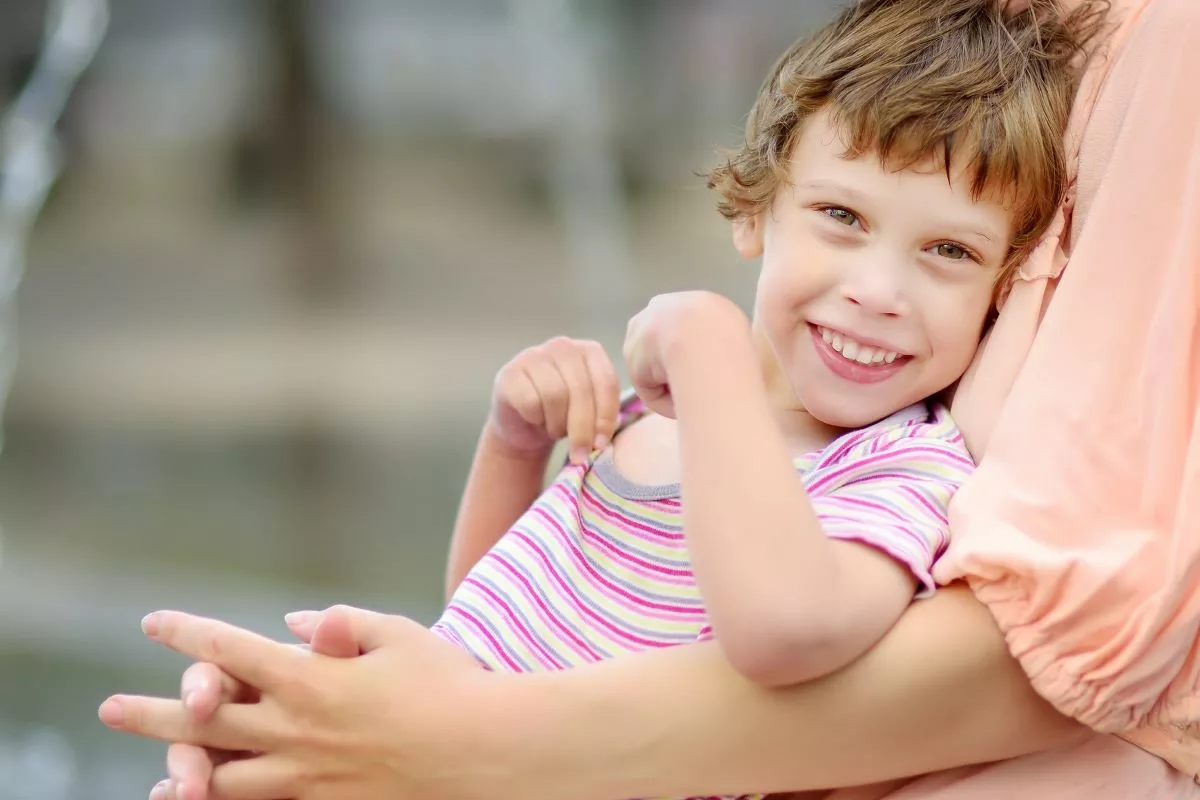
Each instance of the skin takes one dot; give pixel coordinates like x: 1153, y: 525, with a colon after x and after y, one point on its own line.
x: 905, y: 259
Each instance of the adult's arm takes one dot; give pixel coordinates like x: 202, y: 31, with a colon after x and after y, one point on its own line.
x: 939, y: 691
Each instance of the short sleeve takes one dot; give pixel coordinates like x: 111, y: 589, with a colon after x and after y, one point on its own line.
x: 892, y: 492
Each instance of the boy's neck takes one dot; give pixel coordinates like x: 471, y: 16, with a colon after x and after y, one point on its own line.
x: 803, y: 432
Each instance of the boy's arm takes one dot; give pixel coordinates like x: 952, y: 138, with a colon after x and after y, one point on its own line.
x: 561, y: 389
x: 501, y: 486
x: 785, y: 603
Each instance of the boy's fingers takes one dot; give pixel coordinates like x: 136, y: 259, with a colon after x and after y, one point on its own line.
x: 552, y: 395
x: 581, y: 405
x: 607, y: 392
x: 518, y: 391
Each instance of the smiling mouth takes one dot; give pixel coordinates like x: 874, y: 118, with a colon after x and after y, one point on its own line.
x: 857, y: 352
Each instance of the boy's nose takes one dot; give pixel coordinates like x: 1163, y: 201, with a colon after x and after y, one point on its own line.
x: 877, y: 287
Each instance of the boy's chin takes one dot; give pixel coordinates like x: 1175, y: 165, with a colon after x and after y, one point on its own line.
x: 848, y: 413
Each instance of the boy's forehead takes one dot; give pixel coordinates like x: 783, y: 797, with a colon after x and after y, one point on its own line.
x: 821, y: 163
x: 826, y: 131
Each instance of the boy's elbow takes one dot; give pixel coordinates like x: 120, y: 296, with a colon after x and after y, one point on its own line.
x: 784, y: 649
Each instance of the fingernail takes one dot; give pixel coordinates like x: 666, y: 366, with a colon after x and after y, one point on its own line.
x: 189, y: 699
x: 579, y: 455
x: 112, y: 713
x: 161, y: 791
x: 299, y: 617
x: 600, y: 442
x: 181, y: 791
x: 150, y: 624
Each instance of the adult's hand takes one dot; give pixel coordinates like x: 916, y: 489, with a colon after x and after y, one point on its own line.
x: 205, y: 687
x: 320, y: 727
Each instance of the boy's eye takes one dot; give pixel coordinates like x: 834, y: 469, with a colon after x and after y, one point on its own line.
x: 841, y: 215
x: 951, y: 251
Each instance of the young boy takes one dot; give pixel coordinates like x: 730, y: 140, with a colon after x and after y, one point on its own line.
x: 782, y: 484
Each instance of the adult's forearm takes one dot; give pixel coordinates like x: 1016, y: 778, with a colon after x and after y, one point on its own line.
x: 940, y: 691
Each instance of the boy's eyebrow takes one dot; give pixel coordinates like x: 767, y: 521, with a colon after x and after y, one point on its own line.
x: 970, y: 229
x: 851, y: 193
x: 966, y: 229
x: 857, y: 196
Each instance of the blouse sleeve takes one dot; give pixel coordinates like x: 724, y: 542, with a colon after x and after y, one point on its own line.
x: 1081, y: 528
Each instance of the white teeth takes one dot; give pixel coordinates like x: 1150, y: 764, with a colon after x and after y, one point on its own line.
x: 856, y: 351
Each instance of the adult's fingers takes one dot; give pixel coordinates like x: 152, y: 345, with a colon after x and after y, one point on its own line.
x: 337, y: 635
x: 232, y: 727
x: 327, y: 637
x: 205, y: 686
x: 259, y: 661
x: 190, y: 769
x: 368, y: 630
x: 302, y: 624
x: 267, y: 777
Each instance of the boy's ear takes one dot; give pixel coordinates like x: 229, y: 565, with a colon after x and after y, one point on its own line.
x: 748, y: 235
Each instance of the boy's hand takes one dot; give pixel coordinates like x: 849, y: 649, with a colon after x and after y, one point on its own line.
x: 663, y: 329
x: 562, y: 388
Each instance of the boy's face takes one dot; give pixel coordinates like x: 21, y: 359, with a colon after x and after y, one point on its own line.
x: 875, y: 284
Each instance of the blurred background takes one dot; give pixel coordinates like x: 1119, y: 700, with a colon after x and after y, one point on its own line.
x: 268, y: 267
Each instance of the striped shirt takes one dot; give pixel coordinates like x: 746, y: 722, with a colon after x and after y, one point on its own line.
x: 598, y: 565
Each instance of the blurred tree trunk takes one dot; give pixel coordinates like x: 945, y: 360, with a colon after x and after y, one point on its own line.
x: 20, y: 39
x: 290, y: 152
x: 295, y: 140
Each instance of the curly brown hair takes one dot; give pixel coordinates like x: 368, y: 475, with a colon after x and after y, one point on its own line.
x: 914, y: 80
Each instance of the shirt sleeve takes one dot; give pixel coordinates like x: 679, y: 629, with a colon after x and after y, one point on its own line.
x: 1081, y: 528
x: 893, y: 494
